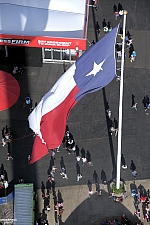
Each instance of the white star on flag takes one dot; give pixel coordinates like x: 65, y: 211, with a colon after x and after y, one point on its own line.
x: 96, y: 68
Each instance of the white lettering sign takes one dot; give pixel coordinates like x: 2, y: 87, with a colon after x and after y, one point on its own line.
x: 55, y: 43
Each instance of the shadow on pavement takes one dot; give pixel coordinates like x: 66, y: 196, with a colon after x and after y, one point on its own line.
x: 17, y: 115
x: 96, y: 209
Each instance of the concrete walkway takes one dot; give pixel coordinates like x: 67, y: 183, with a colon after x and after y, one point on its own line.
x: 80, y: 209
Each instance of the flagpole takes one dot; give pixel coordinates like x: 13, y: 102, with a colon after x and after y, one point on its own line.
x: 120, y: 106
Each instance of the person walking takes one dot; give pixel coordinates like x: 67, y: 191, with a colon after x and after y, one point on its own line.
x: 104, y: 183
x: 123, y: 163
x: 116, y: 14
x: 3, y: 137
x: 98, y: 191
x: 77, y: 154
x: 105, y: 27
x: 88, y: 157
x: 92, y: 43
x: 79, y: 176
x: 83, y: 156
x: 145, y: 105
x: 98, y: 29
x: 108, y: 113
x: 104, y: 24
x: 109, y: 26
x: 134, y: 106
x: 134, y: 173
x: 63, y: 173
x: 95, y: 177
x: 112, y: 129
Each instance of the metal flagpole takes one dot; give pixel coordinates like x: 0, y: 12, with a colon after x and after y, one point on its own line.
x: 120, y: 106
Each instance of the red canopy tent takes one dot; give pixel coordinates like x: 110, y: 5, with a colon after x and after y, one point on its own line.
x: 9, y: 90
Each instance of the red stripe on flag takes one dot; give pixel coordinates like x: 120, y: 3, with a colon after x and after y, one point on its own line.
x: 38, y: 150
x: 53, y: 126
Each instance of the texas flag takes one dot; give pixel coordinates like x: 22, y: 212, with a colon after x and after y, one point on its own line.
x: 92, y: 71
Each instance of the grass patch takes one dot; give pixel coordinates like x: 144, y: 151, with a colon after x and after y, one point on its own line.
x: 117, y: 191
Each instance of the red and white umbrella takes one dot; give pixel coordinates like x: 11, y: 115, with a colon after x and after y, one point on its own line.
x: 9, y: 90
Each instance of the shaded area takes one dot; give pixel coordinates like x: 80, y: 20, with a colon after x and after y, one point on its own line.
x: 92, y: 209
x: 17, y: 119
x: 109, y: 125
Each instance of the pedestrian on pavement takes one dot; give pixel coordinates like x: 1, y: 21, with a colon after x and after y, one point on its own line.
x: 63, y: 173
x: 3, y: 137
x: 113, y: 130
x: 105, y: 30
x: 148, y: 193
x: 77, y: 154
x: 98, y: 191
x: 124, y: 167
x: 29, y: 158
x: 88, y: 157
x: 79, y: 176
x: 121, y: 14
x: 133, y: 56
x: 134, y: 173
x: 109, y: 26
x: 123, y: 163
x: 90, y: 193
x: 147, y: 101
x: 82, y: 153
x: 146, y: 217
x: 145, y: 105
x: 3, y: 142
x: 104, y: 24
x: 94, y: 3
x: 48, y: 208
x: 136, y: 203
x: 116, y: 14
x: 128, y: 34
x: 131, y: 49
x: 70, y: 144
x: 119, y: 55
x: 108, y: 113
x: 21, y: 181
x: 53, y: 151
x: 9, y: 156
x: 98, y: 29
x: 105, y: 183
x: 134, y: 106
x: 93, y: 43
x: 57, y: 149
x: 125, y: 194
x: 7, y: 134
x: 95, y: 177
x: 138, y: 214
x: 115, y: 124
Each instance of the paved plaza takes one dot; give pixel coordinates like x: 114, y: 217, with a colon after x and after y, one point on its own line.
x: 87, y: 122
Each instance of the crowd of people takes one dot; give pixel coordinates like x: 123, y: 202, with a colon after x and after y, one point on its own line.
x: 70, y: 147
x: 141, y: 197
